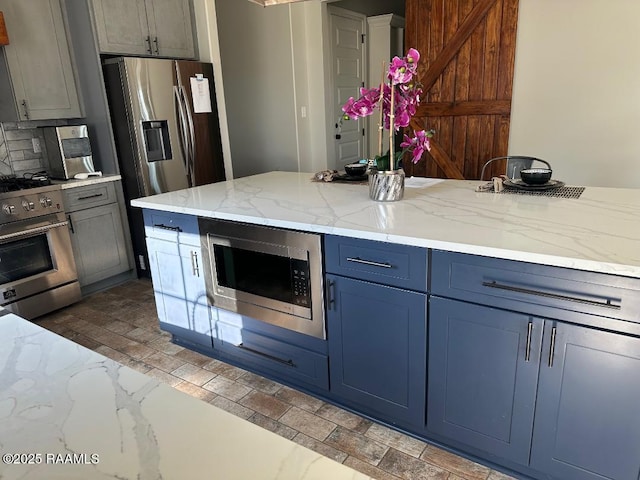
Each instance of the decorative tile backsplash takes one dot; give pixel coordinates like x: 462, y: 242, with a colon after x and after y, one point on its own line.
x: 17, y: 154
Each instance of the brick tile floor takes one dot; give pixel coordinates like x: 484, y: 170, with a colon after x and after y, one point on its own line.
x: 121, y: 324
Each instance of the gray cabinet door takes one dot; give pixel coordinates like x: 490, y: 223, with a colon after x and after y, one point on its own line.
x: 483, y: 370
x: 145, y: 27
x: 122, y: 27
x: 98, y: 242
x: 588, y: 408
x: 170, y: 28
x: 39, y: 60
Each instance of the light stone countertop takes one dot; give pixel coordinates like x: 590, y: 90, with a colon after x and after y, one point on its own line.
x: 74, y: 183
x: 598, y: 232
x: 59, y: 398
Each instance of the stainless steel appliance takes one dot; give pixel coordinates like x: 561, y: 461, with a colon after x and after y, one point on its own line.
x: 68, y: 150
x: 167, y: 130
x: 37, y: 269
x: 269, y: 274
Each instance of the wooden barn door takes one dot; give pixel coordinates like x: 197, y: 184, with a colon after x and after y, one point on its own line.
x: 467, y: 52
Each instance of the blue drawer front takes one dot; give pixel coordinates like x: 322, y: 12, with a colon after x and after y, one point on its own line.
x: 380, y: 262
x: 535, y: 289
x: 281, y: 359
x: 173, y: 227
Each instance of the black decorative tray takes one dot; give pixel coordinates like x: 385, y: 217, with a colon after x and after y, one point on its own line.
x: 520, y: 185
x: 343, y: 177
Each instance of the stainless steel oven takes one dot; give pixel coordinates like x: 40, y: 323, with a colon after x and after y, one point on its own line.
x: 270, y: 274
x: 37, y: 268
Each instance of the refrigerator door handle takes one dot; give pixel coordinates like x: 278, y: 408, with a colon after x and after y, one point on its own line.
x: 184, y: 144
x: 192, y: 136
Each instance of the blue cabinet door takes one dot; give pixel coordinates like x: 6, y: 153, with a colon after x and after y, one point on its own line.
x: 483, y: 370
x: 588, y: 408
x: 377, y: 348
x: 179, y: 289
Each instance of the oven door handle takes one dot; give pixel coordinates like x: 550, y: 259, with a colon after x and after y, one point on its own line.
x: 33, y: 231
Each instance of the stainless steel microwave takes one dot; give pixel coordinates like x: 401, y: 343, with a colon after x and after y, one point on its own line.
x: 270, y: 274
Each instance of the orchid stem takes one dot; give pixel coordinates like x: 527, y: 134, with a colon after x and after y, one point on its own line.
x: 391, y: 126
x: 380, y: 106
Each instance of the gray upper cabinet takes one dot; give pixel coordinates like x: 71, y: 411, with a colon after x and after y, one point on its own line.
x: 145, y: 27
x: 122, y: 27
x: 37, y: 79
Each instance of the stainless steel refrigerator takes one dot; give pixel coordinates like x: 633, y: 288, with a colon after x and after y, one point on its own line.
x: 166, y: 128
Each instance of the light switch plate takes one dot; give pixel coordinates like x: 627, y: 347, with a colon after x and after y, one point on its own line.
x: 36, y: 145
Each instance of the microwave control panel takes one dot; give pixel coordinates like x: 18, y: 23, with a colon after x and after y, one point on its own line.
x: 300, y: 282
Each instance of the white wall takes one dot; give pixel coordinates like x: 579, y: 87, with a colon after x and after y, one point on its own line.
x: 576, y: 96
x: 209, y: 51
x: 257, y: 68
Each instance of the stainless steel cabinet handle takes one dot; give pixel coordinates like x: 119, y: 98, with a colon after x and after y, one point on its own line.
x: 369, y: 262
x: 26, y: 109
x: 331, y: 301
x: 166, y: 227
x: 527, y: 353
x: 553, y: 346
x: 155, y: 42
x: 148, y: 40
x: 194, y: 264
x: 266, y: 355
x: 494, y: 284
x: 95, y: 195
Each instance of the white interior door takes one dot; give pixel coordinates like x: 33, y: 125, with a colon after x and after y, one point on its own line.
x: 348, y: 75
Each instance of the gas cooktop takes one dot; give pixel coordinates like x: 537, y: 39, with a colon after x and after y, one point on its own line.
x: 11, y: 183
x: 27, y: 197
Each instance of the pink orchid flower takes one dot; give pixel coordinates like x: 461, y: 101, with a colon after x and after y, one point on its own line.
x: 406, y: 99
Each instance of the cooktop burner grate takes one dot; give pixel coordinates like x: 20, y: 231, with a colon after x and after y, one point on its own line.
x: 11, y: 183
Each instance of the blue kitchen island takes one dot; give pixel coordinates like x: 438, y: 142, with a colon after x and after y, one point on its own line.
x: 504, y: 327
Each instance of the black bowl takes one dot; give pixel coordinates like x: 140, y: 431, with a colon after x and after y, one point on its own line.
x: 536, y: 176
x: 355, y: 169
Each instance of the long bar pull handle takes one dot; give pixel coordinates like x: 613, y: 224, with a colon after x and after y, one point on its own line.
x: 494, y: 284
x: 192, y: 136
x: 167, y: 227
x: 26, y: 109
x: 148, y: 40
x: 331, y: 301
x: 369, y: 262
x: 266, y: 355
x: 36, y: 230
x: 194, y: 264
x: 155, y: 42
x: 182, y: 133
x: 95, y: 195
x: 552, y: 348
x: 70, y: 223
x: 527, y: 353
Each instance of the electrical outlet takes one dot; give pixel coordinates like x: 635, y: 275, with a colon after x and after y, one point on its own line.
x: 36, y: 145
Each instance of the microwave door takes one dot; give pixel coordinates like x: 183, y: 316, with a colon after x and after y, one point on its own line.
x: 255, y: 273
x: 155, y: 124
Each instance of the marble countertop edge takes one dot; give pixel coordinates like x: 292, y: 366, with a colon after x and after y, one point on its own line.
x: 598, y: 232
